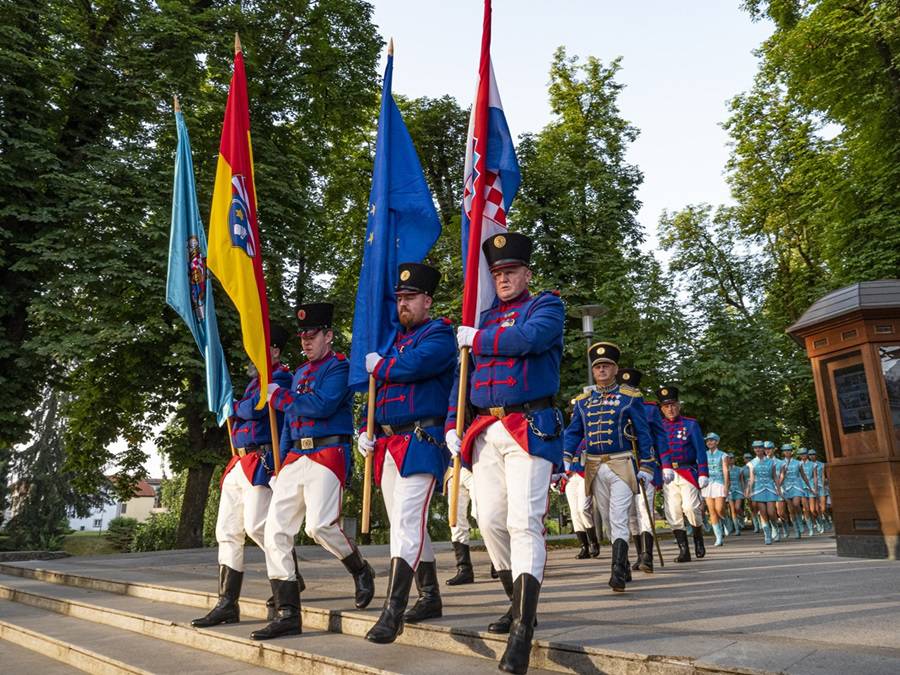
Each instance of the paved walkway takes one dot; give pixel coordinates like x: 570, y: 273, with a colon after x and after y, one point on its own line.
x: 791, y: 607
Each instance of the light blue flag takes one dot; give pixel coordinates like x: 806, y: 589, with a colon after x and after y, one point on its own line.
x: 188, y: 287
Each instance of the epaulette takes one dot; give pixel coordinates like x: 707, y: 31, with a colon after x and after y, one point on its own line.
x: 555, y: 292
x: 579, y: 397
x: 628, y: 390
x: 446, y: 321
x: 339, y: 356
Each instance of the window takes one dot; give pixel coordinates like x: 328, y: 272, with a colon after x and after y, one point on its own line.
x: 98, y: 522
x: 124, y: 507
x: 852, y: 392
x: 890, y: 367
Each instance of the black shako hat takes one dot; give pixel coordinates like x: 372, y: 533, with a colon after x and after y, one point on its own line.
x: 278, y: 336
x: 417, y: 278
x: 508, y: 249
x: 603, y: 352
x: 667, y: 394
x: 314, y: 315
x: 629, y: 376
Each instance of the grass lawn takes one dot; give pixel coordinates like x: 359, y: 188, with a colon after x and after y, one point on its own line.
x: 88, y: 543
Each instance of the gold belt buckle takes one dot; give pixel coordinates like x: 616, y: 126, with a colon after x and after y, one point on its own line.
x: 497, y: 412
x: 386, y: 428
x: 307, y: 443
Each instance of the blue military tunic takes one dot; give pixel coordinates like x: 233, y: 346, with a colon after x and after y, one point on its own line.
x: 516, y: 355
x: 250, y: 430
x: 414, y: 379
x: 600, y: 419
x: 685, y: 450
x: 318, y: 405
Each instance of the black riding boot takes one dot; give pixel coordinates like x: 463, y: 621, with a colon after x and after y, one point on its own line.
x: 390, y: 623
x: 583, y: 553
x: 684, y: 553
x: 287, y: 611
x: 646, y: 558
x: 301, y: 586
x: 227, y: 609
x: 594, y: 542
x: 699, y: 547
x: 494, y: 573
x: 619, y: 565
x: 526, y: 591
x: 363, y: 578
x: 638, y: 549
x: 502, y: 624
x: 429, y: 605
x: 464, y: 572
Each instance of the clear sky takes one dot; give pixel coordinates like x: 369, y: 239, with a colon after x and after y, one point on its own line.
x: 681, y: 62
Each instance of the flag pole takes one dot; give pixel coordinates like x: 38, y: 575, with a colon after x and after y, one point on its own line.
x: 367, y: 476
x: 227, y: 421
x: 460, y: 429
x: 276, y: 445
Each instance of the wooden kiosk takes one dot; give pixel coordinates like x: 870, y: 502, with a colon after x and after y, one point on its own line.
x: 852, y: 338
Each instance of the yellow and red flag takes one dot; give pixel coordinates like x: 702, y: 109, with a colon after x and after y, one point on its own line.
x: 235, y: 255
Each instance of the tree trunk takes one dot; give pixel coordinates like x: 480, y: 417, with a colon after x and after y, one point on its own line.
x: 196, y: 491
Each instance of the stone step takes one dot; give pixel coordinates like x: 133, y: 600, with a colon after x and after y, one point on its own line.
x: 98, y: 648
x: 316, y: 651
x: 23, y: 652
x: 449, y: 640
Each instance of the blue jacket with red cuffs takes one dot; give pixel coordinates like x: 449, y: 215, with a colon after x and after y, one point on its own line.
x: 660, y: 440
x: 414, y: 379
x: 318, y: 404
x: 250, y: 429
x: 685, y: 450
x: 516, y: 356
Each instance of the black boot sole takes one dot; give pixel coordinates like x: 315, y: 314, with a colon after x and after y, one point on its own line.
x: 456, y: 581
x: 210, y: 624
x: 384, y: 639
x: 258, y: 635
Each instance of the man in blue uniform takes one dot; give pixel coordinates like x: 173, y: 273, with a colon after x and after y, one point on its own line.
x: 685, y: 473
x: 414, y: 378
x: 315, y: 447
x: 515, y: 440
x: 600, y: 420
x: 245, y: 496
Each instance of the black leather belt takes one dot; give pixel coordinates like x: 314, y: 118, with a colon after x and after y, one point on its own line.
x: 683, y: 465
x: 528, y: 407
x: 396, y: 429
x: 321, y: 442
x: 258, y: 448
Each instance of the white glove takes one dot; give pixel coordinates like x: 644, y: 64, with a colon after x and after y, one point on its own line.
x: 567, y: 466
x: 453, y: 442
x: 703, y: 481
x: 465, y: 336
x: 363, y: 444
x: 647, y: 478
x: 372, y: 359
x: 271, y: 389
x: 555, y: 478
x: 668, y: 475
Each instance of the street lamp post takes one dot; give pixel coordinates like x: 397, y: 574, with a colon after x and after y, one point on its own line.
x: 588, y: 313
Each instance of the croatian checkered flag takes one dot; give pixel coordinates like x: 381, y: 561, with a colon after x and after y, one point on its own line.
x: 492, y: 178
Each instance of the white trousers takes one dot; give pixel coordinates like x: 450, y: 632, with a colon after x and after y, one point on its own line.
x: 581, y: 506
x: 639, y: 520
x: 682, y: 500
x: 406, y: 500
x: 613, y: 498
x: 460, y: 533
x: 242, y: 510
x: 512, y: 489
x: 310, y: 491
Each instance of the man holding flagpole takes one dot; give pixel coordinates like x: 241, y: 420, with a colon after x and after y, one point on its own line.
x: 406, y: 358
x: 516, y: 342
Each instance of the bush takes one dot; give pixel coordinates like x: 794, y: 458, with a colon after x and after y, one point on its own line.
x: 120, y: 531
x: 156, y: 534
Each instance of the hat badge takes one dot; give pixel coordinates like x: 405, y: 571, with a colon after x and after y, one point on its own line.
x: 665, y: 392
x: 404, y: 275
x: 601, y: 350
x: 499, y: 241
x: 626, y: 376
x: 301, y: 314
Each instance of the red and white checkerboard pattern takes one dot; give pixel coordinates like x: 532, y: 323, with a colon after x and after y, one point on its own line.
x: 493, y: 198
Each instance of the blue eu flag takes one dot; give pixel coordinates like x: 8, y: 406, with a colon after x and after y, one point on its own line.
x: 402, y: 226
x: 188, y: 287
